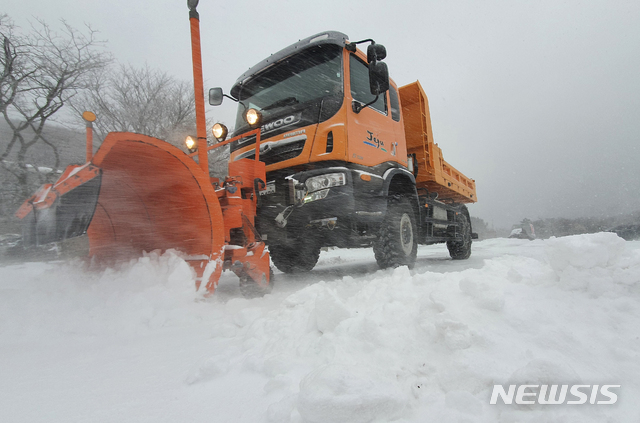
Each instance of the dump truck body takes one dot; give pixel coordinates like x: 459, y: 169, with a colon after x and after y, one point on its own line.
x: 433, y: 172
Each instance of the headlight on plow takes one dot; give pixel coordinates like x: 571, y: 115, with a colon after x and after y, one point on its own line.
x: 191, y: 144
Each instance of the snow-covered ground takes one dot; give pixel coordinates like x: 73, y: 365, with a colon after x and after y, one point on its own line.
x: 345, y: 343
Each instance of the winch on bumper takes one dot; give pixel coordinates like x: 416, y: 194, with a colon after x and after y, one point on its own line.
x: 334, y: 206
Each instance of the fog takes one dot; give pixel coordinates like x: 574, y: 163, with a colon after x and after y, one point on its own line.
x: 537, y: 101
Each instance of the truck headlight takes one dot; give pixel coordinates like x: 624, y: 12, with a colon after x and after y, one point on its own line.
x: 316, y: 183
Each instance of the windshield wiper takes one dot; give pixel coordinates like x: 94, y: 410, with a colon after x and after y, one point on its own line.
x: 288, y: 101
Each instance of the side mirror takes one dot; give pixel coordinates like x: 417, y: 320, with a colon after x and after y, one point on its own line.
x: 378, y: 78
x: 376, y: 52
x: 215, y: 96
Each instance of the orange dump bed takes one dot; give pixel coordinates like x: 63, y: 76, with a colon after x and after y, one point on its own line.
x: 434, y: 173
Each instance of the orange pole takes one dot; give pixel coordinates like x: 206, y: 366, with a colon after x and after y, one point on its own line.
x: 89, y: 141
x: 198, y: 85
x: 255, y: 168
x: 257, y: 156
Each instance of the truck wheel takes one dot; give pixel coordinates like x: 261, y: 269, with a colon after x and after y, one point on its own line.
x: 298, y: 259
x: 397, y: 243
x: 461, y: 250
x: 250, y: 289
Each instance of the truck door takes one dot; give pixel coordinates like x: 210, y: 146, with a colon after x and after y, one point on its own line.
x: 370, y: 134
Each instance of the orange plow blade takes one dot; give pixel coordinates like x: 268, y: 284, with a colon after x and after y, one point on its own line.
x: 137, y: 194
x: 153, y: 196
x: 140, y: 194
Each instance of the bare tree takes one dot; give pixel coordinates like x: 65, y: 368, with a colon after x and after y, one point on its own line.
x: 140, y: 100
x: 40, y: 72
x: 149, y: 102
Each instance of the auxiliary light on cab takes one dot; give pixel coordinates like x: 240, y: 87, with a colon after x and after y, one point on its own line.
x: 219, y: 132
x: 253, y: 117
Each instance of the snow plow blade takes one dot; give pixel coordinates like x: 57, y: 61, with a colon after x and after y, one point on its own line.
x: 152, y: 197
x: 137, y: 194
x: 62, y: 210
x: 140, y: 194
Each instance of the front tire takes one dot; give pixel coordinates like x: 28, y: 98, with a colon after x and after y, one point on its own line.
x: 397, y: 243
x: 300, y: 258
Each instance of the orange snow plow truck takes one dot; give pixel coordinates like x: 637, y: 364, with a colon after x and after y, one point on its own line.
x: 327, y: 151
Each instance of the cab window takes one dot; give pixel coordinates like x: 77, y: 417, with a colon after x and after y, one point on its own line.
x: 360, y: 90
x: 395, y: 104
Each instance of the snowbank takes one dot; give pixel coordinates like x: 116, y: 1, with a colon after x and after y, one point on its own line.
x: 70, y: 298
x: 394, y: 345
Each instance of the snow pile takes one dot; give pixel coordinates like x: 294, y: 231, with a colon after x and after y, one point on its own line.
x: 401, y: 340
x: 69, y: 298
x: 594, y: 264
x: 585, y: 252
x: 339, y: 393
x: 393, y: 345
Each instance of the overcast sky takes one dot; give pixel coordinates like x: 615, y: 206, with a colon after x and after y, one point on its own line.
x: 538, y: 101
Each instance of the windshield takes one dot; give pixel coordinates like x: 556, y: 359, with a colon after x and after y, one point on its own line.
x: 310, y: 75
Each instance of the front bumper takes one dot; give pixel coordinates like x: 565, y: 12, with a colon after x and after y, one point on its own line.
x: 346, y: 212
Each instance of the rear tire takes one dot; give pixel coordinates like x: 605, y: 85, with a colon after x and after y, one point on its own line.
x: 298, y: 259
x: 397, y: 243
x: 461, y: 250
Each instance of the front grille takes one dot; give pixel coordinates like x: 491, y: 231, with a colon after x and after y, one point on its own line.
x: 280, y: 153
x: 236, y: 145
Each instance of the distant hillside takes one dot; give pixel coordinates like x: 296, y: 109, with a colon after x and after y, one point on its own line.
x: 626, y: 225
